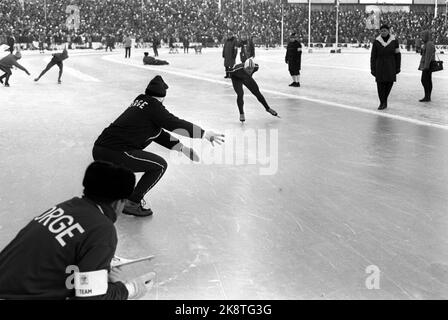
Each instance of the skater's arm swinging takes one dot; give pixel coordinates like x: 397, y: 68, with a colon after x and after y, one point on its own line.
x: 18, y: 65
x: 163, y: 118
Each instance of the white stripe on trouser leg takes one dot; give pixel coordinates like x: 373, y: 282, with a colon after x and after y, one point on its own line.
x: 147, y: 160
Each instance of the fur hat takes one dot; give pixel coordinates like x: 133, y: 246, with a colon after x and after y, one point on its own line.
x: 108, y: 182
x: 156, y: 87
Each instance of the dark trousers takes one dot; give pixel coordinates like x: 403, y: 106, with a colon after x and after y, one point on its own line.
x: 252, y: 86
x: 384, y: 89
x: 427, y: 83
x: 156, y: 53
x: 127, y: 52
x: 50, y: 65
x: 151, y: 164
x: 228, y: 71
x: 7, y: 74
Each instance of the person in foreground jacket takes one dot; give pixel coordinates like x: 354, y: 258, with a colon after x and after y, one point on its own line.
x: 144, y: 121
x: 66, y: 252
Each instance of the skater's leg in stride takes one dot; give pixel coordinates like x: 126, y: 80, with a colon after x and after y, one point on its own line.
x: 238, y: 87
x: 253, y: 87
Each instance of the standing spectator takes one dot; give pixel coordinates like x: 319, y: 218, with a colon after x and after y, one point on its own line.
x: 229, y: 53
x: 41, y: 42
x: 155, y: 44
x: 127, y: 42
x: 247, y: 48
x: 385, y: 63
x: 294, y: 59
x: 10, y: 41
x: 428, y: 55
x: 171, y: 41
x: 109, y: 42
x: 186, y: 43
x: 418, y: 45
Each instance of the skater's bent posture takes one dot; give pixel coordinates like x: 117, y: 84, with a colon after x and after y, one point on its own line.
x: 241, y: 74
x: 6, y: 64
x: 144, y: 121
x: 57, y: 59
x: 66, y: 252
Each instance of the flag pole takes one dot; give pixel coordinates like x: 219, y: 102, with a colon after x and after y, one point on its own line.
x: 309, y: 25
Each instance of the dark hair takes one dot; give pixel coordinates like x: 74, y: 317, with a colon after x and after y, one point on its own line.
x: 107, y: 182
x: 384, y: 26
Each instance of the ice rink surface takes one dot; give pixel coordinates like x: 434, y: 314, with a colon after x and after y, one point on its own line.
x: 349, y: 186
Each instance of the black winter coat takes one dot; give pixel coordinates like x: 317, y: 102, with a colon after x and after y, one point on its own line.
x: 77, y: 232
x: 230, y: 51
x: 293, y: 57
x: 385, y: 59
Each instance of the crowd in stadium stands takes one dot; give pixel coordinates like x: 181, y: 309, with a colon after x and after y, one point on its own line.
x: 200, y: 21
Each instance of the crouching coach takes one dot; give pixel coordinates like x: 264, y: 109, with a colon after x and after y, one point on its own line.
x: 66, y: 251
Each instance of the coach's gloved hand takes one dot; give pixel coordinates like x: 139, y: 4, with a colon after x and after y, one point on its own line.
x: 116, y: 274
x: 189, y: 152
x: 138, y: 287
x: 214, y: 137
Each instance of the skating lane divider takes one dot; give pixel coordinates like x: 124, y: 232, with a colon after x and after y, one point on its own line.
x: 188, y: 74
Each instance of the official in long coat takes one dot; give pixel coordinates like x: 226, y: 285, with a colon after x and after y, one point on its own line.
x: 229, y: 53
x: 385, y: 63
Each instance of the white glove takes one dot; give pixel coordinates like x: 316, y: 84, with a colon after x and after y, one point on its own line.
x: 214, y: 137
x: 138, y: 287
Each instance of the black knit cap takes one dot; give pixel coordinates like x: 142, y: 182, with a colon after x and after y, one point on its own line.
x: 108, y: 182
x: 384, y: 26
x: 156, y: 87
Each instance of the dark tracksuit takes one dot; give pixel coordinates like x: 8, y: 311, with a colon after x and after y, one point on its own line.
x: 77, y: 232
x: 385, y: 64
x: 140, y: 124
x: 293, y: 57
x: 239, y: 78
x: 57, y: 59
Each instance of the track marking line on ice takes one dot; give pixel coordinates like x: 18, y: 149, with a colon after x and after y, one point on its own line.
x: 188, y: 74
